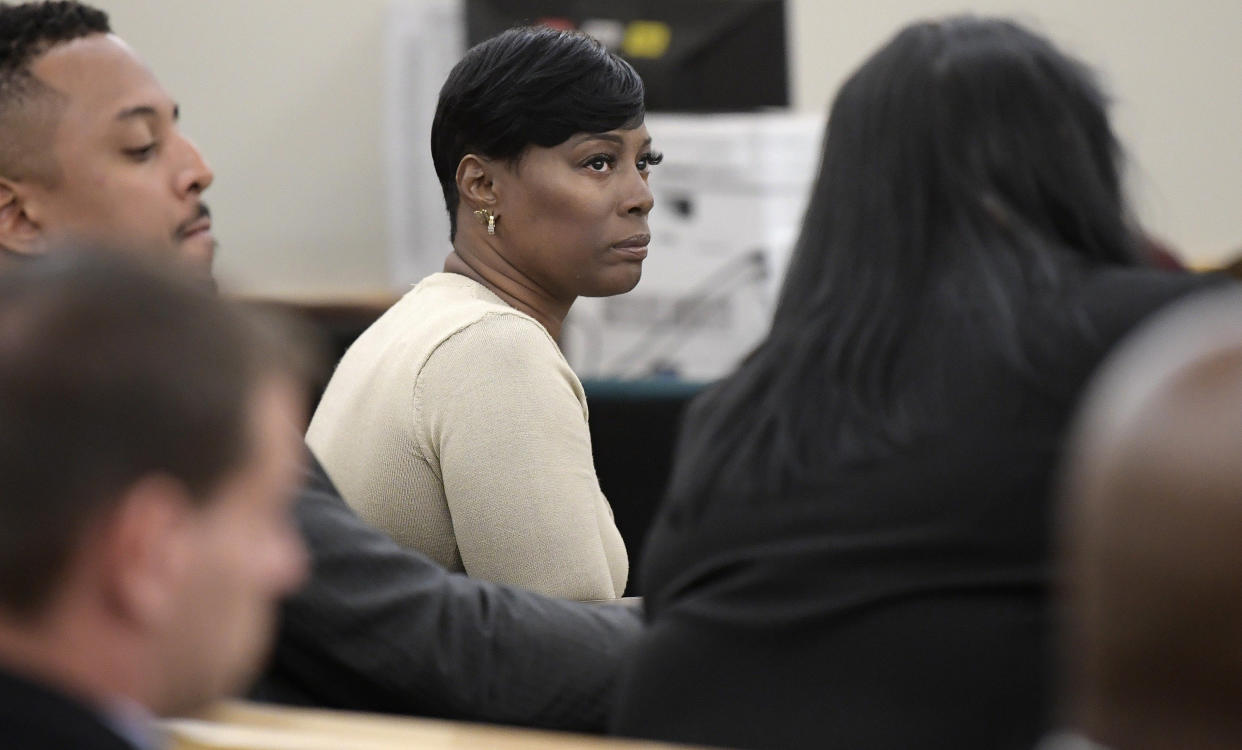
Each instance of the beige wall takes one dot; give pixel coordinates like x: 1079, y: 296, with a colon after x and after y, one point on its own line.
x: 284, y: 97
x: 1174, y: 70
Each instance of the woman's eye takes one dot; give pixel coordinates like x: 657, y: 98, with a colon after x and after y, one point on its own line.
x: 599, y: 163
x: 649, y: 159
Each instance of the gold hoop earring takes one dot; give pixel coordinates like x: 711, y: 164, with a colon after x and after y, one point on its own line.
x: 485, y: 214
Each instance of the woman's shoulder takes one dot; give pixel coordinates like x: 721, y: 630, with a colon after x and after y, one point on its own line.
x: 1145, y: 276
x: 447, y: 306
x: 1133, y: 287
x: 505, y: 334
x: 454, y: 295
x: 446, y: 321
x: 499, y: 345
x: 1116, y: 299
x: 505, y: 357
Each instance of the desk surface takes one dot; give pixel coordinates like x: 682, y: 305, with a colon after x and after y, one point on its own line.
x: 236, y: 725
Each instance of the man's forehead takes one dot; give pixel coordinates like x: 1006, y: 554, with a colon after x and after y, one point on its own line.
x: 100, y: 76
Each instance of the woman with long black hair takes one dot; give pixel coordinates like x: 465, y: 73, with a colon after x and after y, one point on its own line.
x: 854, y: 550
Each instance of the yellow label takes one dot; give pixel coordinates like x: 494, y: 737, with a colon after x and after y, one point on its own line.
x: 647, y: 39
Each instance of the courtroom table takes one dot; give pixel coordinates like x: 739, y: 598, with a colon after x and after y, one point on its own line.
x: 238, y: 725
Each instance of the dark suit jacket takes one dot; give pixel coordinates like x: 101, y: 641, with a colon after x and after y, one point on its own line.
x: 381, y: 628
x: 35, y: 717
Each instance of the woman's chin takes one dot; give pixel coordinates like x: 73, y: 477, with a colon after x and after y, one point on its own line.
x: 619, y: 281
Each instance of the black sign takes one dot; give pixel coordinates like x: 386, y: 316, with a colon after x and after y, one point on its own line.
x: 693, y: 55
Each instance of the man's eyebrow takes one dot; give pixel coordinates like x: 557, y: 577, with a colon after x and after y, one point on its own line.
x: 146, y: 110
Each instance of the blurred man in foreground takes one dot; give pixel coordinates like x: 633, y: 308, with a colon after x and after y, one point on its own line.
x: 149, y: 468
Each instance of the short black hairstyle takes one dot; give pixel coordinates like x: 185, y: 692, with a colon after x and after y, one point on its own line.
x: 529, y: 86
x: 111, y: 370
x: 27, y: 31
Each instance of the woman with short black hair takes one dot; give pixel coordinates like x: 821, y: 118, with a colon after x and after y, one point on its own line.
x: 854, y: 550
x: 454, y: 422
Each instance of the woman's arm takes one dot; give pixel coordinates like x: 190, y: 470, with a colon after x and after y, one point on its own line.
x: 503, y: 418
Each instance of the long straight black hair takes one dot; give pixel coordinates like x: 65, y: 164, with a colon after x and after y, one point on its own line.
x: 967, y: 162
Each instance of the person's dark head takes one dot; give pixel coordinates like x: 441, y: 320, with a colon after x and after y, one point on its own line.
x: 90, y: 149
x: 967, y: 145
x: 976, y: 125
x: 148, y: 452
x: 1151, y: 515
x: 544, y: 129
x: 966, y: 149
x: 968, y: 172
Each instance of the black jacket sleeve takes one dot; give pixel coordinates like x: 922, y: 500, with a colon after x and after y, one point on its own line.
x: 381, y: 628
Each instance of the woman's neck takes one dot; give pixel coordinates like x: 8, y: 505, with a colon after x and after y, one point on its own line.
x: 489, y: 268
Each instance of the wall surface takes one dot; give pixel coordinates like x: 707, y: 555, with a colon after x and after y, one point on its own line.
x: 285, y: 98
x: 1174, y: 71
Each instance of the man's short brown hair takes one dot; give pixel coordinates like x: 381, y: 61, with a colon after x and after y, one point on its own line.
x: 112, y: 370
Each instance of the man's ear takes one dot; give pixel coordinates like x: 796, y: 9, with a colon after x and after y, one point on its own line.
x: 475, y: 183
x: 19, y: 231
x: 149, y: 542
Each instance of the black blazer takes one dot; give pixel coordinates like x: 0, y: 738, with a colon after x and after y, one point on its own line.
x: 381, y: 628
x: 35, y: 717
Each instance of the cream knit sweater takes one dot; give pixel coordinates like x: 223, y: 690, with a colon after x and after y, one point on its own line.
x: 455, y: 424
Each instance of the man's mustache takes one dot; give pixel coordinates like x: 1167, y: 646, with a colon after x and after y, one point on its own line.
x: 202, y: 212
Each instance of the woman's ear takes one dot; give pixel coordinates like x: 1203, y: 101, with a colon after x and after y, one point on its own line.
x: 474, y: 181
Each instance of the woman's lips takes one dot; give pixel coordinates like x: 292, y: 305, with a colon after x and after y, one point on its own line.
x: 635, y: 246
